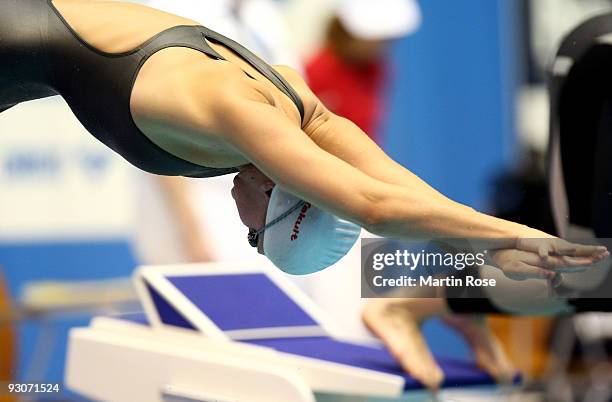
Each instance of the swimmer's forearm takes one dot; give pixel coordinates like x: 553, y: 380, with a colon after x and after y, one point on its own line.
x: 417, y: 215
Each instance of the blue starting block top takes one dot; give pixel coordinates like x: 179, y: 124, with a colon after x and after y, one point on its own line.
x: 239, y: 302
x: 236, y: 304
x: 457, y: 373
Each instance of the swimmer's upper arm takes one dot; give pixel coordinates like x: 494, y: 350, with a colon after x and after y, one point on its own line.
x: 281, y: 150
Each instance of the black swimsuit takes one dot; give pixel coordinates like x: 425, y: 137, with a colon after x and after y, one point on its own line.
x: 40, y: 56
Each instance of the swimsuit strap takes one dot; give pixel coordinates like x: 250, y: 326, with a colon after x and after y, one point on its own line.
x: 197, y: 37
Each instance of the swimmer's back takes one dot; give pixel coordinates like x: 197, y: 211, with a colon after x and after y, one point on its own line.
x: 92, y: 52
x: 24, y: 72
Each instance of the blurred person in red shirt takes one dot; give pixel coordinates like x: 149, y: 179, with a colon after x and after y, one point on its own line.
x: 350, y: 72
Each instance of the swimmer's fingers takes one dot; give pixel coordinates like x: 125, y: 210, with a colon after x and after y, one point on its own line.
x: 569, y: 258
x: 544, y: 251
x: 564, y: 248
x: 521, y: 265
x: 545, y: 248
x: 559, y: 264
x: 574, y: 264
x: 519, y: 271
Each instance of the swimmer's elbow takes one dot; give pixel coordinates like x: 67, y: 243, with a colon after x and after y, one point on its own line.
x: 371, y: 213
x: 387, y: 214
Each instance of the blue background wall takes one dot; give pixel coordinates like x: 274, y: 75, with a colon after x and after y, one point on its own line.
x: 451, y: 108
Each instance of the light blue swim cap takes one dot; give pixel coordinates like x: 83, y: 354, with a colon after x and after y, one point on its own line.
x: 305, y: 239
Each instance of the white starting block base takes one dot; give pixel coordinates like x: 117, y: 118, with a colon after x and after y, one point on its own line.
x: 115, y: 360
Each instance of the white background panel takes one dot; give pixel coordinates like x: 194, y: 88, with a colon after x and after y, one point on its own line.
x: 56, y: 180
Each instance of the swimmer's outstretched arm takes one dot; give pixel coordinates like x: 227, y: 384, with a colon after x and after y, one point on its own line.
x: 375, y: 200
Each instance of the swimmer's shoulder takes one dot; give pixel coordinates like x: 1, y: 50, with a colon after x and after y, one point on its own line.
x: 204, y: 91
x: 227, y: 86
x: 314, y: 109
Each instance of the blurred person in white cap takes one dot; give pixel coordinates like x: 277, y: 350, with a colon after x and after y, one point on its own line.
x: 350, y: 71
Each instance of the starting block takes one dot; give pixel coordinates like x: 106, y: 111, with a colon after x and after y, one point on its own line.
x: 223, y: 333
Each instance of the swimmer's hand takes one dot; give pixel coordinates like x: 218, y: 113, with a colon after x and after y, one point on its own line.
x: 521, y: 265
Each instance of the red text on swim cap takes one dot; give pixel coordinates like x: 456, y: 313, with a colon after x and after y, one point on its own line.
x: 298, y: 221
